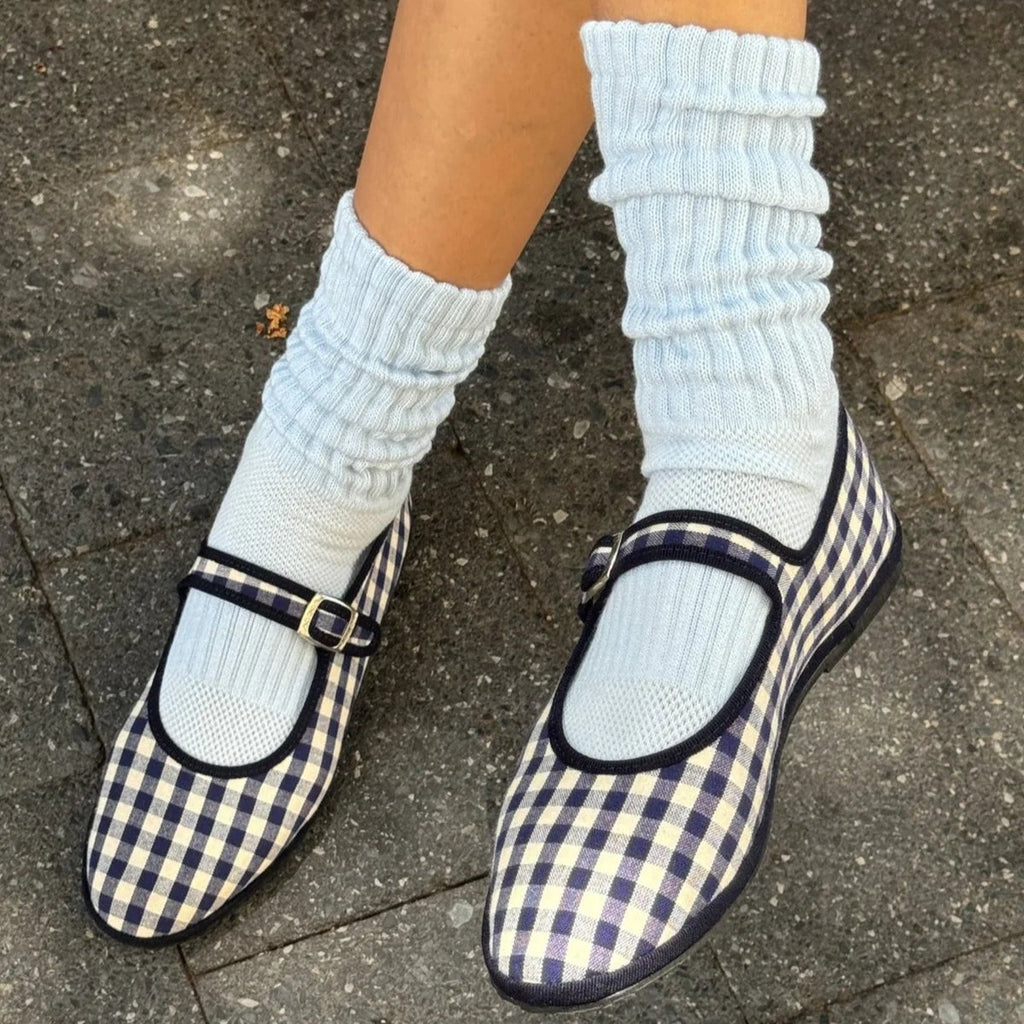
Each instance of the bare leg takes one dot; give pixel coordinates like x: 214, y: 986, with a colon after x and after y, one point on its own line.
x: 787, y: 18
x: 481, y: 108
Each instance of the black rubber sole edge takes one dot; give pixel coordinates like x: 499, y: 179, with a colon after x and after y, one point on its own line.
x: 839, y: 644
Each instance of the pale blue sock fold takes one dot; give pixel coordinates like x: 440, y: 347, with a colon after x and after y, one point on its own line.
x: 707, y: 141
x: 352, y: 405
x: 370, y: 370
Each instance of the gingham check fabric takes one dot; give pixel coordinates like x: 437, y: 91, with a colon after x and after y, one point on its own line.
x: 601, y: 879
x: 170, y: 846
x: 330, y: 618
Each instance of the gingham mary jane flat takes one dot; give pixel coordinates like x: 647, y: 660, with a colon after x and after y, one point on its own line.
x: 174, y: 842
x: 605, y: 873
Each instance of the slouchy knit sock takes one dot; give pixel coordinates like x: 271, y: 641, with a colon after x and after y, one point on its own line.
x: 353, y: 404
x: 707, y: 142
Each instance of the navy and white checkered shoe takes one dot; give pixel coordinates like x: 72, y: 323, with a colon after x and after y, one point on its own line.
x: 175, y: 842
x: 605, y: 873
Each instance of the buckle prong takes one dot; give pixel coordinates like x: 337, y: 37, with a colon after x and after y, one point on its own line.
x: 310, y: 613
x: 595, y: 588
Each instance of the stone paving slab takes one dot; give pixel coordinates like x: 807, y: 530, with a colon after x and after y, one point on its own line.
x: 132, y: 372
x: 45, y: 733
x: 986, y: 987
x: 54, y: 966
x: 132, y: 364
x: 955, y: 374
x: 548, y: 419
x: 422, y: 962
x: 434, y: 737
x: 896, y: 841
x: 920, y: 147
x: 115, y: 608
x: 103, y: 86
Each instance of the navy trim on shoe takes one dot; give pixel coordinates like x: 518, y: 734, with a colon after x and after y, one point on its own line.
x: 218, y: 771
x: 323, y: 657
x: 730, y: 524
x: 605, y: 873
x: 708, y: 733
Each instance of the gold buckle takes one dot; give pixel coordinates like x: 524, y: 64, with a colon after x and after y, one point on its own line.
x: 307, y: 620
x: 601, y: 582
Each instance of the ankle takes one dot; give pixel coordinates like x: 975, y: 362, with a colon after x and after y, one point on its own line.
x: 784, y: 509
x: 298, y: 522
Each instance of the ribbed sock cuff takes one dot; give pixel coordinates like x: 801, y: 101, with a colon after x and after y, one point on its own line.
x: 400, y: 316
x: 748, y: 73
x: 653, y: 85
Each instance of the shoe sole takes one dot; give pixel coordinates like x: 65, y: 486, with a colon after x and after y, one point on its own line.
x: 827, y: 658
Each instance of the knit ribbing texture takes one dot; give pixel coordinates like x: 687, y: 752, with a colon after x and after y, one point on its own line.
x: 707, y: 140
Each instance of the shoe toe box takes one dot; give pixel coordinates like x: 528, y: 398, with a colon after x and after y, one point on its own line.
x: 168, y: 846
x: 600, y: 881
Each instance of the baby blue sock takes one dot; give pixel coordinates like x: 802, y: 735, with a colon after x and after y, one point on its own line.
x: 353, y: 404
x: 707, y: 141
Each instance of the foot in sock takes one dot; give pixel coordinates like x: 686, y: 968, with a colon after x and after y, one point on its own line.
x: 628, y: 829
x: 716, y: 205
x: 349, y: 409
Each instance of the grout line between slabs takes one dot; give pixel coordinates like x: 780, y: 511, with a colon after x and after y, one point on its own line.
x: 909, y: 975
x: 37, y: 578
x: 346, y: 923
x: 728, y: 983
x: 190, y: 977
x: 859, y: 323
x: 115, y: 544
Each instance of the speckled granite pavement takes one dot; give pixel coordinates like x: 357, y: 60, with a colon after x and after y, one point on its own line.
x: 166, y: 169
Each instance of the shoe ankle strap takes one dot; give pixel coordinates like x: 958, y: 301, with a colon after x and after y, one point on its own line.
x: 328, y: 623
x: 683, y: 536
